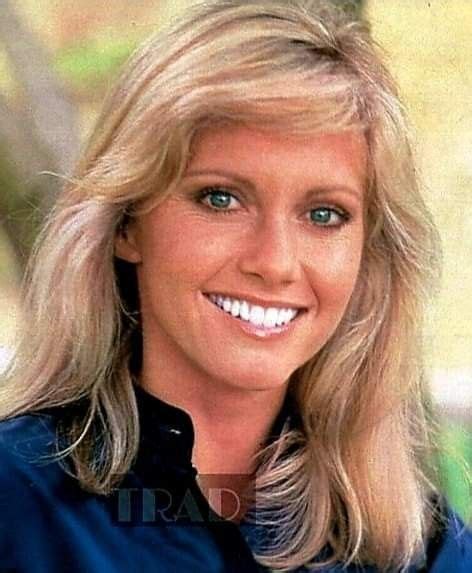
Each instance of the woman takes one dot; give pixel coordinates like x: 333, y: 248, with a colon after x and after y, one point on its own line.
x: 224, y: 325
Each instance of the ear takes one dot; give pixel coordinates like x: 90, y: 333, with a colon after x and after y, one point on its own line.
x: 126, y: 244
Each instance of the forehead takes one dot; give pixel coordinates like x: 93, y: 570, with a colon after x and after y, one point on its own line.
x: 340, y: 157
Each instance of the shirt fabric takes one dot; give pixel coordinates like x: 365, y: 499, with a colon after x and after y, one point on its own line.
x: 156, y: 521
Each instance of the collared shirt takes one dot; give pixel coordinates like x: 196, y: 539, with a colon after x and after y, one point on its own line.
x: 156, y: 521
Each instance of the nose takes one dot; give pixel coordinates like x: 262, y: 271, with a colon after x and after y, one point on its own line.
x: 270, y: 253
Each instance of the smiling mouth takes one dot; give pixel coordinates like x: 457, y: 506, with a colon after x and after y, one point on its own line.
x: 257, y: 315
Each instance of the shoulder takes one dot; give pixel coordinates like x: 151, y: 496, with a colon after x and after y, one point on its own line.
x: 32, y: 481
x: 26, y: 425
x: 27, y: 452
x: 450, y: 550
x: 26, y: 435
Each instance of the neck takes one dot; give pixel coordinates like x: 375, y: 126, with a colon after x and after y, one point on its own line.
x: 230, y: 426
x: 231, y: 423
x: 230, y: 429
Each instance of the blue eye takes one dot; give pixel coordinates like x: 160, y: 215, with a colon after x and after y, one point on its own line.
x: 219, y: 200
x: 327, y: 217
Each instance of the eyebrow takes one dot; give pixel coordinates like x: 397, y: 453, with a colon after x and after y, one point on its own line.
x: 312, y: 192
x: 221, y: 173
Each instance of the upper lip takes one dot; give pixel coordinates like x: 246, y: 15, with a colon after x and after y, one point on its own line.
x: 259, y: 301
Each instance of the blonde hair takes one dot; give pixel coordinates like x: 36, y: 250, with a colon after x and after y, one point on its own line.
x: 351, y: 475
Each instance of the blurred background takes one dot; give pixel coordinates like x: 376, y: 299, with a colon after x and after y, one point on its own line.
x: 57, y: 60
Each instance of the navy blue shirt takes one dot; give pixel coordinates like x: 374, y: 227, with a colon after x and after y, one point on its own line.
x: 156, y: 521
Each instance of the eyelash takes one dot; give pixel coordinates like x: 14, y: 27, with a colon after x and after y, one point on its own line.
x: 204, y: 195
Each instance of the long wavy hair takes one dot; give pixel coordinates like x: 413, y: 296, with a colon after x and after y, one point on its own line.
x: 352, y: 475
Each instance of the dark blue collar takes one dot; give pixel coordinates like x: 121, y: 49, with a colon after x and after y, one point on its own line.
x: 167, y: 436
x: 166, y: 442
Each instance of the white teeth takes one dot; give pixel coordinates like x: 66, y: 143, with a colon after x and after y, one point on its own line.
x: 255, y: 314
x: 286, y: 316
x: 289, y: 314
x: 270, y: 318
x: 244, y: 310
x: 235, y: 308
x: 280, y: 317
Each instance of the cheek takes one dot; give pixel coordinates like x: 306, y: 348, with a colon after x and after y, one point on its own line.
x: 183, y: 250
x: 344, y: 266
x: 334, y: 274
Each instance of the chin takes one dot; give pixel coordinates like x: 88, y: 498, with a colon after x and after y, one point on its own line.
x: 253, y: 378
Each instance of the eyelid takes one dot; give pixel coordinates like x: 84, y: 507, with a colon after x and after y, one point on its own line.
x: 208, y: 189
x: 205, y: 192
x: 344, y: 215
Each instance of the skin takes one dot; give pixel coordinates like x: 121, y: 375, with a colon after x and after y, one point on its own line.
x: 241, y: 224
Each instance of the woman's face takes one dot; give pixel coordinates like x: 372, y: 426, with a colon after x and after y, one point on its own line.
x: 246, y: 269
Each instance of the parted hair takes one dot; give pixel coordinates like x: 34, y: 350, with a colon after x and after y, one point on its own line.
x: 352, y: 476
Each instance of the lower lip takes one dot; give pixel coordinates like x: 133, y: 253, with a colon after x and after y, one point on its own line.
x: 258, y: 332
